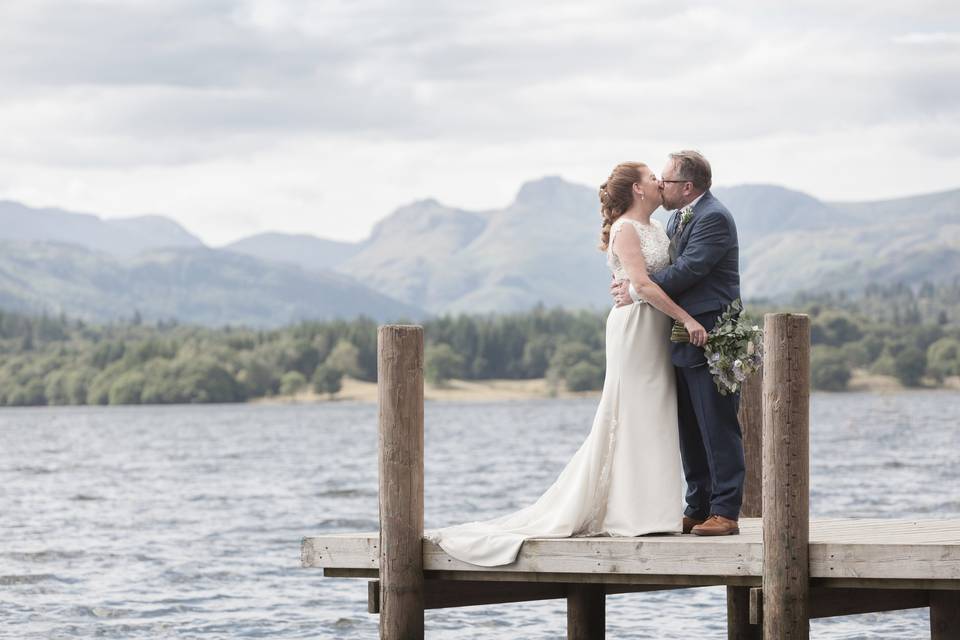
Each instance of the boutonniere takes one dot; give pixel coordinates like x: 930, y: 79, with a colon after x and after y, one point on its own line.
x: 686, y: 215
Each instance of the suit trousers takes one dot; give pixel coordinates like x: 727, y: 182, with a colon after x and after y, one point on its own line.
x: 711, y: 445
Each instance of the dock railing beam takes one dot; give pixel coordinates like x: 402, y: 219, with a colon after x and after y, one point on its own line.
x: 400, y: 463
x: 786, y: 477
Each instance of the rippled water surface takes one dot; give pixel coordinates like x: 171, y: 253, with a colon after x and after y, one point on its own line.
x: 185, y: 522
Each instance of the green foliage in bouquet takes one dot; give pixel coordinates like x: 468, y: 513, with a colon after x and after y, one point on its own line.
x: 734, y: 348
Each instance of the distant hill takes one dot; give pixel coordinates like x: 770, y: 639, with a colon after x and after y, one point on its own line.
x: 908, y: 240
x: 540, y: 249
x: 942, y: 207
x: 203, y: 286
x: 763, y: 210
x: 118, y: 237
x: 308, y: 251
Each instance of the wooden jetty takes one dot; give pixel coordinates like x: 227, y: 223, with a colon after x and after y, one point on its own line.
x: 781, y: 571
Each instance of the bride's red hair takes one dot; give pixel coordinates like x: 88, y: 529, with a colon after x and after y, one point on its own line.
x: 616, y: 196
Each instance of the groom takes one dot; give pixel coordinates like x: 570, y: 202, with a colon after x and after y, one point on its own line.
x: 704, y: 278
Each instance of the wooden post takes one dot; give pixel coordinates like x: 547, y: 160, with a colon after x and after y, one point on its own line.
x: 400, y: 459
x: 944, y: 615
x: 739, y: 626
x: 786, y: 477
x: 751, y: 424
x: 586, y: 611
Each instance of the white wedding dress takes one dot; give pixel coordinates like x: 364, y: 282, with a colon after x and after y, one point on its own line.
x: 625, y: 479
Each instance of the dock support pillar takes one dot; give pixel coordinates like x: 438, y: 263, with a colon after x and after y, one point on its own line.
x: 586, y: 611
x: 786, y: 477
x: 738, y: 616
x: 400, y: 462
x: 751, y: 424
x: 944, y: 615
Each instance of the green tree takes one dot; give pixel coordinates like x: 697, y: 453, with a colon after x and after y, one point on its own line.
x: 943, y: 358
x: 256, y: 378
x: 98, y: 392
x: 910, y: 365
x: 829, y: 370
x: 327, y: 379
x: 300, y: 355
x: 161, y: 385
x: 569, y: 353
x: 873, y: 344
x: 127, y: 388
x: 345, y: 356
x: 566, y: 357
x: 856, y: 354
x: 78, y: 382
x: 106, y: 353
x: 584, y: 376
x: 29, y: 394
x: 204, y: 379
x: 56, y: 390
x: 536, y: 356
x: 362, y: 332
x: 442, y: 364
x: 292, y: 382
x: 837, y: 329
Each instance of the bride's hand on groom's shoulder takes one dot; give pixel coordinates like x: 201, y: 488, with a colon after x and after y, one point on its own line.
x: 620, y: 290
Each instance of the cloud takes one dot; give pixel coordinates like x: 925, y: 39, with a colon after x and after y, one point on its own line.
x: 934, y: 39
x: 239, y: 110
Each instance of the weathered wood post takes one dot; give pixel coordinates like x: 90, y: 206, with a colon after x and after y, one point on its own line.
x: 586, y: 611
x: 786, y: 477
x: 400, y: 459
x: 944, y: 615
x: 751, y: 423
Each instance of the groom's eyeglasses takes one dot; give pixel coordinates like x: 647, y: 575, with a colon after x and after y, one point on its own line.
x: 680, y: 181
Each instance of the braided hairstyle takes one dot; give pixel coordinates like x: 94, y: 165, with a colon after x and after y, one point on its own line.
x: 616, y: 196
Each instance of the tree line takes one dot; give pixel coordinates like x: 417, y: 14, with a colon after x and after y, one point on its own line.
x: 48, y: 360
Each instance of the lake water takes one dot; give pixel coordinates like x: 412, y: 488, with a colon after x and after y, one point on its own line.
x: 185, y: 522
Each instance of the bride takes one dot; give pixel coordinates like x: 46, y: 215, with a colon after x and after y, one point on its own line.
x: 625, y: 479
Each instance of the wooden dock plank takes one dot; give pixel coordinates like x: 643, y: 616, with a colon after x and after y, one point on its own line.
x: 342, y: 551
x: 651, y: 556
x: 839, y: 549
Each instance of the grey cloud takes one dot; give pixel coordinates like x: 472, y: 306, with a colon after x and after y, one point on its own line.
x: 174, y: 80
x: 197, y: 45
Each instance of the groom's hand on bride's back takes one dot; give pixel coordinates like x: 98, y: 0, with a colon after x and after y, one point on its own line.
x: 620, y: 290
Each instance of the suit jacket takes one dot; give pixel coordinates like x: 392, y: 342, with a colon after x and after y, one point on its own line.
x: 705, y: 276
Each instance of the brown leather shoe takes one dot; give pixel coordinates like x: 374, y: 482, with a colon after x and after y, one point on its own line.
x: 716, y: 526
x: 690, y: 523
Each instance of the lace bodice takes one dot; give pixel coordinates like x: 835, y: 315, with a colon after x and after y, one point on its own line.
x: 653, y: 240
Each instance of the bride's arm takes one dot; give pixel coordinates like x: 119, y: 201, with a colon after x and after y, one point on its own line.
x: 626, y: 245
x: 709, y: 242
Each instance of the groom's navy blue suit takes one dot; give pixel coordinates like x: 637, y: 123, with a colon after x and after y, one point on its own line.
x: 704, y: 279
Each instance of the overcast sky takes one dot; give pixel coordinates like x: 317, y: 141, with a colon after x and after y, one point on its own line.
x: 239, y: 116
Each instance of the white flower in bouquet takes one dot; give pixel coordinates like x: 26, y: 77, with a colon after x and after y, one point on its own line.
x: 734, y: 349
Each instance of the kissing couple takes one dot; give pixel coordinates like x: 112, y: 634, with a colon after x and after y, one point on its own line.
x: 660, y: 409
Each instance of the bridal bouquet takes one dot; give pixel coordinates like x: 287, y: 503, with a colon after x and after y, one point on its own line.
x: 734, y: 348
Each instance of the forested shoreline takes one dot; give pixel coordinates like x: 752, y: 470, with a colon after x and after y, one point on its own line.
x: 912, y: 334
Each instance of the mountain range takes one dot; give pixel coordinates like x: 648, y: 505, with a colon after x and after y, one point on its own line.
x: 53, y: 261
x: 542, y: 247
x: 429, y: 258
